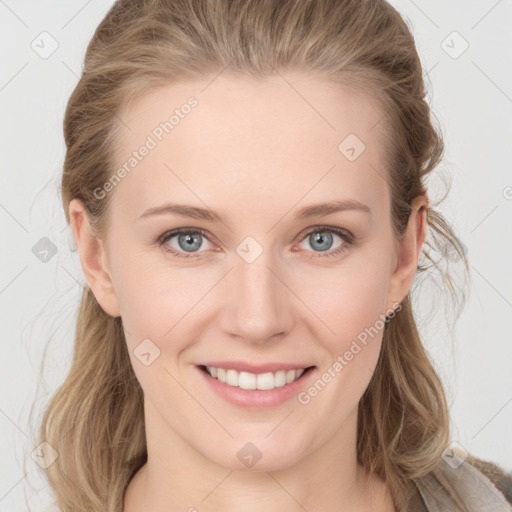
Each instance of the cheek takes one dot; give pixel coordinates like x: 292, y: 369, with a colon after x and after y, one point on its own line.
x: 141, y: 288
x: 350, y: 306
x: 355, y: 313
x: 158, y: 302
x: 347, y: 300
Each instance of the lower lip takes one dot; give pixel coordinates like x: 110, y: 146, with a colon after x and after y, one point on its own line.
x: 257, y: 399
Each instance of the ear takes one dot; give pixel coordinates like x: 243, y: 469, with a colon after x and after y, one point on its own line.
x: 93, y: 259
x: 408, y: 252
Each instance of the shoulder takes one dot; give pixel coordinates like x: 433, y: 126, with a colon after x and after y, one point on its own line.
x: 465, y: 482
x: 500, y: 478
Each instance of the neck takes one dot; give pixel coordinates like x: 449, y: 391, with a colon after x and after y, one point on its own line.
x: 177, y: 477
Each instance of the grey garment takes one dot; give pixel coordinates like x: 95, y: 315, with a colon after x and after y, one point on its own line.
x: 477, y: 491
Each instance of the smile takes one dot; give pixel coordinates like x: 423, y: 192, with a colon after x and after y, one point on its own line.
x: 261, y: 381
x: 255, y: 386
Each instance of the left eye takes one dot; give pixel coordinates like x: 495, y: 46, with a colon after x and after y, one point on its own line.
x: 190, y: 240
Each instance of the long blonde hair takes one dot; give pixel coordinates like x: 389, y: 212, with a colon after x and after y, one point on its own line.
x: 95, y: 419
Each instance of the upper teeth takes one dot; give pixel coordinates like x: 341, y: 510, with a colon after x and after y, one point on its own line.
x: 246, y: 380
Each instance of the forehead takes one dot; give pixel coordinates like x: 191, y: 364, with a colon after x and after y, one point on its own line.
x: 285, y: 138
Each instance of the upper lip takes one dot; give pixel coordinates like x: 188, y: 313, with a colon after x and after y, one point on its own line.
x: 243, y: 366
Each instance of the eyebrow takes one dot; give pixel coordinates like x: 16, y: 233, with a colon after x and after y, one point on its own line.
x: 308, y: 212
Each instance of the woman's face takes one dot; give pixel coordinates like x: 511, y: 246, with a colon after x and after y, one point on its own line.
x: 263, y: 282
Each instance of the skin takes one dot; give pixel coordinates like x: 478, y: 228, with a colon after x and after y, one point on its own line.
x: 256, y: 152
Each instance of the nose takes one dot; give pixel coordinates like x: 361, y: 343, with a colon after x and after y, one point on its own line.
x: 257, y: 306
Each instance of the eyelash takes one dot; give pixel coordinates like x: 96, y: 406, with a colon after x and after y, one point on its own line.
x: 348, y: 238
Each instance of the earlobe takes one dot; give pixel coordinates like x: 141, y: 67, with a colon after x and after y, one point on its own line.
x: 409, y: 251
x: 93, y: 259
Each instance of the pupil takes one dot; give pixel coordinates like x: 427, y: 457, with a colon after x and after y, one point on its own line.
x: 319, y: 237
x: 190, y: 240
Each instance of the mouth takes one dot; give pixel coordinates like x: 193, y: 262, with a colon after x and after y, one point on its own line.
x: 256, y: 381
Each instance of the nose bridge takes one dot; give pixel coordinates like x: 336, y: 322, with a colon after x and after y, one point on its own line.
x: 259, y: 301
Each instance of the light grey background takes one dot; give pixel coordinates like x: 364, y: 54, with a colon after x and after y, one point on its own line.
x: 471, y: 96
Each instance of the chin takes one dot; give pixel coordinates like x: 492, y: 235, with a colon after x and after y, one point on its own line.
x: 260, y: 453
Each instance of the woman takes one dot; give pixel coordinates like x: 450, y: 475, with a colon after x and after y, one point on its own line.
x: 224, y: 357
